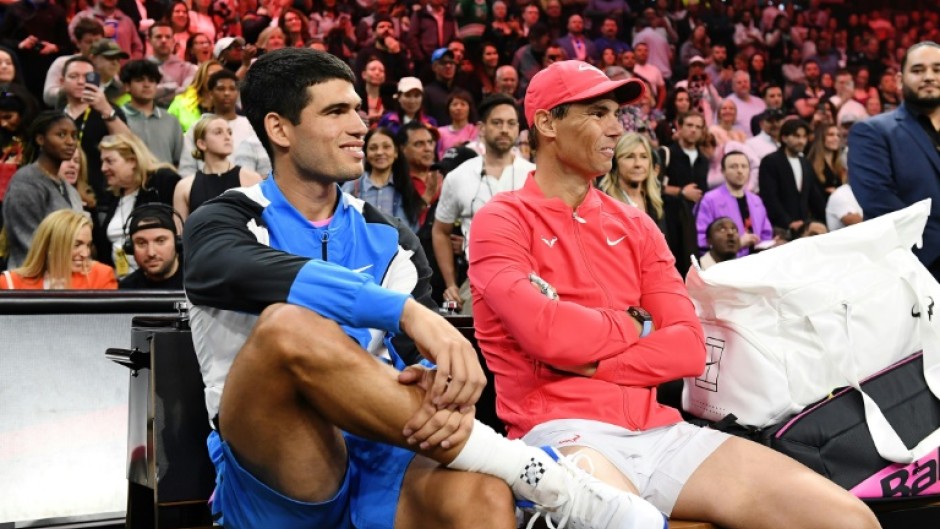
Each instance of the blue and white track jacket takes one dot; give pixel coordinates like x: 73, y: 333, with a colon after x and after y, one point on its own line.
x: 250, y: 248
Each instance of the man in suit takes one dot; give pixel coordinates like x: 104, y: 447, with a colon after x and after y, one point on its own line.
x: 788, y: 185
x: 893, y: 157
x: 686, y: 180
x: 575, y: 44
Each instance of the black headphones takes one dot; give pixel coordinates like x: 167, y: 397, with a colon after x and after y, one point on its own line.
x: 155, y: 209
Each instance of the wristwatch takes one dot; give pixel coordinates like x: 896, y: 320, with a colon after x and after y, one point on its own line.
x: 640, y: 315
x: 110, y: 117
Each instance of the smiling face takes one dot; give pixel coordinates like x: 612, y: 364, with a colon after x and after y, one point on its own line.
x: 292, y: 22
x: 179, y: 17
x: 410, y: 101
x: 327, y: 144
x: 81, y: 250
x: 381, y: 152
x: 586, y: 137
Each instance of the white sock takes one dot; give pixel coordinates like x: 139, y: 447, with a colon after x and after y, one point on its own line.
x: 487, y: 452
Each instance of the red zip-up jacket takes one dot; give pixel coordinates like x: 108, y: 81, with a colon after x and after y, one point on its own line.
x: 601, y: 258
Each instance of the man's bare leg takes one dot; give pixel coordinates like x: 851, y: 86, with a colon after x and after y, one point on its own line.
x: 299, y: 380
x: 433, y: 496
x: 749, y: 486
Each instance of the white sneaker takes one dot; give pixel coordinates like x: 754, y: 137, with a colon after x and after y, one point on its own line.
x: 568, y: 497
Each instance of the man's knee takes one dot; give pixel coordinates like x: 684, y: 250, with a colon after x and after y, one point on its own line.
x: 486, y: 502
x: 289, y: 330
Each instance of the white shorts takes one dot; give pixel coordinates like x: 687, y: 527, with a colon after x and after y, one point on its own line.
x: 658, y: 462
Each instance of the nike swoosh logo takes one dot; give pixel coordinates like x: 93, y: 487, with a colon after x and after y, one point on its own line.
x: 550, y: 243
x: 363, y: 269
x: 615, y: 242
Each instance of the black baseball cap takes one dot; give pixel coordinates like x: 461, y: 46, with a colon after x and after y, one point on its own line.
x: 452, y: 159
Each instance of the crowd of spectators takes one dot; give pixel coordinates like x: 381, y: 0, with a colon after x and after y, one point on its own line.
x: 150, y: 93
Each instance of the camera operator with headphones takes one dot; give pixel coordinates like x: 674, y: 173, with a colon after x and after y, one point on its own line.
x: 151, y: 235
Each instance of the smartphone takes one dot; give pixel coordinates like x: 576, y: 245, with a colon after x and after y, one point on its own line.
x: 93, y: 78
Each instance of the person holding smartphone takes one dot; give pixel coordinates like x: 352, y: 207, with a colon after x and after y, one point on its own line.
x: 95, y: 117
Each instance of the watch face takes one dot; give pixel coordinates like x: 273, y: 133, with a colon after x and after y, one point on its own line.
x: 640, y: 313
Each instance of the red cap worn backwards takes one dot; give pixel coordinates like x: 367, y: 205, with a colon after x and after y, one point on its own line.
x: 570, y: 81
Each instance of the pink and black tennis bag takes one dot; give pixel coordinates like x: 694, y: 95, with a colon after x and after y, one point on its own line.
x: 832, y: 438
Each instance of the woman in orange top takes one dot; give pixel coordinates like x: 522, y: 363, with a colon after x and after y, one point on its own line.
x: 59, y: 258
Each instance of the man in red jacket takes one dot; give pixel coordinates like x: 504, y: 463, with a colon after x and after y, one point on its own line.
x: 581, y: 315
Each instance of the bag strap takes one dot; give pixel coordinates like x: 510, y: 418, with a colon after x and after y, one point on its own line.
x: 886, y: 440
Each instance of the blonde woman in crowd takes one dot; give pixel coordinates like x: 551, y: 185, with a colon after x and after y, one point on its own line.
x: 633, y: 178
x: 60, y: 258
x: 213, y: 141
x: 74, y: 171
x: 271, y: 39
x: 189, y: 106
x: 135, y: 177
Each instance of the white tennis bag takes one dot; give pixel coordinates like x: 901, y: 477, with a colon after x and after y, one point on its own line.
x: 784, y: 327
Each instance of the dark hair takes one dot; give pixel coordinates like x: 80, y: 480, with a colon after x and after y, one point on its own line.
x: 734, y: 153
x: 87, y: 26
x: 671, y: 112
x: 558, y: 112
x: 538, y: 30
x: 763, y: 91
x: 282, y: 23
x: 139, y: 69
x: 159, y: 24
x: 714, y: 223
x: 39, y: 127
x: 792, y: 126
x: 16, y: 98
x: 401, y: 178
x: 278, y: 82
x: 191, y: 41
x: 460, y: 93
x: 494, y: 100
x: 690, y: 114
x: 921, y: 44
x: 75, y: 59
x: 404, y: 133
x: 17, y: 69
x: 218, y: 76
